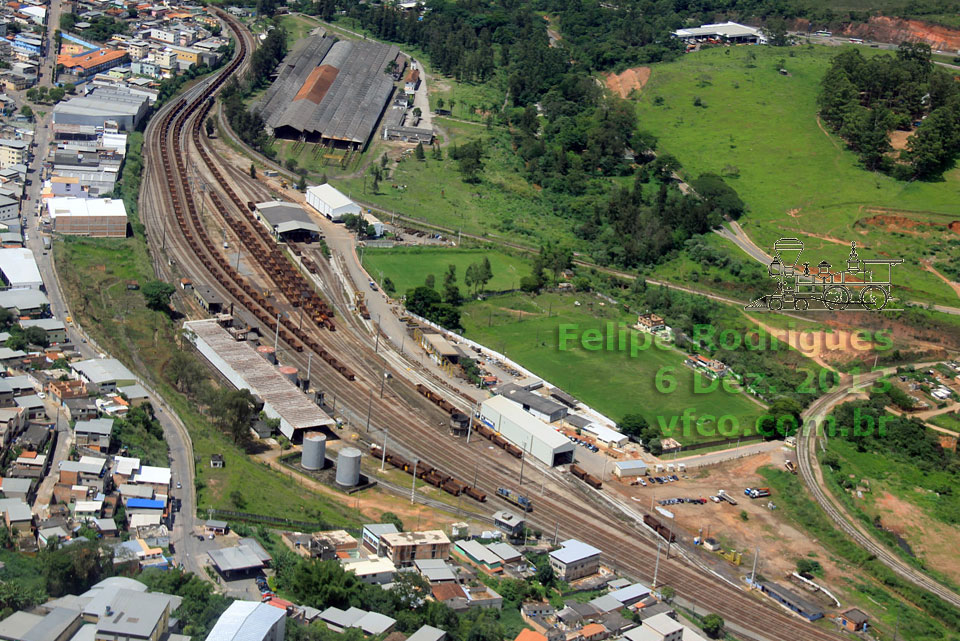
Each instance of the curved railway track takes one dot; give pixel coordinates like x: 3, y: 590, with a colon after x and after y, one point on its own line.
x: 807, y: 462
x: 176, y: 142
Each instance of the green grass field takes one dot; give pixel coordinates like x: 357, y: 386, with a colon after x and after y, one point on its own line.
x: 796, y: 179
x: 407, y: 267
x: 526, y: 329
x: 503, y: 205
x: 950, y: 421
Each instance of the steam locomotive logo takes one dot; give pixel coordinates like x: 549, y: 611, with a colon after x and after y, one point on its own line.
x: 865, y: 284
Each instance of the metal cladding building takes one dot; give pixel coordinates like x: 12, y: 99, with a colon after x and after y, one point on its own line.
x: 240, y: 364
x: 329, y: 91
x: 19, y: 268
x: 526, y: 431
x: 287, y: 221
x: 250, y: 621
x: 98, y: 217
x: 331, y: 202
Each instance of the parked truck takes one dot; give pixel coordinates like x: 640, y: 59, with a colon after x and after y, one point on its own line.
x: 726, y: 497
x: 757, y: 492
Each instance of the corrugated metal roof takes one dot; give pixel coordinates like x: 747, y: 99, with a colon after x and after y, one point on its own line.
x: 245, y: 621
x: 573, y: 550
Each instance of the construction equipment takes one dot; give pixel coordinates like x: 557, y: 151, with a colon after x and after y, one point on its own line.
x: 726, y: 497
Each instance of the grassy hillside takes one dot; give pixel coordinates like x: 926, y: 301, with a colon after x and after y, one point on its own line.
x: 408, y: 267
x: 796, y: 179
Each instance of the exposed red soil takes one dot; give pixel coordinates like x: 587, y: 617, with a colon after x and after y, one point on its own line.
x: 892, y: 222
x: 624, y: 83
x: 884, y: 29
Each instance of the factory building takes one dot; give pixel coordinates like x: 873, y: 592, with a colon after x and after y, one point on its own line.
x: 19, y: 269
x: 526, y: 431
x: 97, y: 217
x: 240, y: 364
x: 540, y: 406
x: 331, y: 202
x: 103, y: 104
x: 287, y: 221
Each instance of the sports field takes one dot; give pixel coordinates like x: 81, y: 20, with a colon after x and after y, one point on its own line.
x: 408, y: 267
x: 527, y: 330
x: 797, y: 179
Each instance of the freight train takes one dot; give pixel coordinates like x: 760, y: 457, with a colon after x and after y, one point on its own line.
x: 660, y: 528
x: 480, y: 428
x: 431, y: 475
x: 586, y: 477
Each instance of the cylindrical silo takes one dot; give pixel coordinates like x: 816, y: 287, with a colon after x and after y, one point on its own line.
x: 290, y: 373
x: 314, y: 451
x: 348, y: 467
x: 268, y: 353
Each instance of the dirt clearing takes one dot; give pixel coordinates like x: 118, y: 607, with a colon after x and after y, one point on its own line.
x: 624, y: 83
x: 931, y: 540
x: 898, y: 139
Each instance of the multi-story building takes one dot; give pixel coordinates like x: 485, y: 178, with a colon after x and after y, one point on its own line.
x: 12, y: 152
x: 575, y: 559
x: 404, y: 548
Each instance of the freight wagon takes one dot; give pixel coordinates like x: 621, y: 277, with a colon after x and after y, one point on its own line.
x: 587, y: 478
x: 660, y: 528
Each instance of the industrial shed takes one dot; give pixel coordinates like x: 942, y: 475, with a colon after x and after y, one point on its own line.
x: 287, y: 221
x: 240, y: 364
x: 526, y: 431
x: 330, y: 91
x: 331, y: 202
x: 540, y: 406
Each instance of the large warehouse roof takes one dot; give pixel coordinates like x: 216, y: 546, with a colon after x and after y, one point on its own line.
x: 101, y: 207
x: 19, y: 267
x: 244, y: 368
x: 335, y: 89
x: 245, y: 621
x: 284, y: 217
x: 530, y: 423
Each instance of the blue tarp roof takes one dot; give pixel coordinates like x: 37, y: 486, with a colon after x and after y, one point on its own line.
x: 150, y: 503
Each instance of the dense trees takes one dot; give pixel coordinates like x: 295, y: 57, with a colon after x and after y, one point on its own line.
x: 157, y: 293
x: 201, y: 606
x: 425, y: 301
x: 141, y: 434
x: 864, y: 99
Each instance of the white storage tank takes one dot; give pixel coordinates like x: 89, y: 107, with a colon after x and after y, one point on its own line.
x: 348, y: 467
x: 314, y: 451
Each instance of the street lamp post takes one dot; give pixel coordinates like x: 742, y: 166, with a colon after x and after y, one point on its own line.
x: 276, y: 335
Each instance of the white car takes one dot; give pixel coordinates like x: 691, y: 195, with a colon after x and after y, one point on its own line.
x: 41, y: 395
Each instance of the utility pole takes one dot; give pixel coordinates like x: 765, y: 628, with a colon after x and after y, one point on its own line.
x: 756, y: 557
x: 469, y: 429
x: 309, y: 363
x: 556, y: 532
x: 413, y: 484
x: 369, y: 410
x: 383, y: 458
x: 656, y: 567
x: 276, y: 336
x: 383, y: 379
x: 376, y: 348
x: 522, y: 461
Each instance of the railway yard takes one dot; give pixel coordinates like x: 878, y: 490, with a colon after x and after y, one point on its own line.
x: 190, y: 198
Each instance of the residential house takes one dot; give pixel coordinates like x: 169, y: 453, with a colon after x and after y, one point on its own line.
x: 14, y: 488
x: 373, y: 569
x: 11, y: 423
x: 575, y: 560
x: 94, y: 433
x: 33, y: 407
x: 370, y: 536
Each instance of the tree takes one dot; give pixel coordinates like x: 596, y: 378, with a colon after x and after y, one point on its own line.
x: 809, y: 567
x: 390, y: 517
x: 253, y: 171
x: 157, y: 293
x: 234, y: 411
x: 57, y: 94
x: 6, y: 318
x: 655, y: 447
x: 430, y: 281
x: 389, y: 287
x: 470, y: 277
x: 422, y: 300
x: 208, y: 125
x: 545, y: 575
x: 32, y: 94
x: 451, y: 293
x: 712, y: 625
x: 418, y: 152
x: 439, y: 103
x: 302, y: 184
x: 383, y: 161
x: 485, y: 273
x: 633, y: 425
x: 26, y: 111
x: 667, y: 593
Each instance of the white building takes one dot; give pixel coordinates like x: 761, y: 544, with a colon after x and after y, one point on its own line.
x: 606, y: 435
x: 99, y: 217
x: 374, y: 569
x: 526, y: 431
x: 629, y: 467
x: 331, y: 202
x: 19, y: 269
x: 249, y: 621
x: 575, y: 559
x: 724, y: 31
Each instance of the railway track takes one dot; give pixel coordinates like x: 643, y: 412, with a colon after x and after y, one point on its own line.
x: 806, y: 460
x: 176, y: 143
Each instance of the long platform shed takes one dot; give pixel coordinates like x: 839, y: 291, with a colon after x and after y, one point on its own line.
x: 240, y: 364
